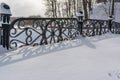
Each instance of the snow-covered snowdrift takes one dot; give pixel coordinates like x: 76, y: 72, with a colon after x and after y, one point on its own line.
x: 101, y: 11
x: 95, y: 58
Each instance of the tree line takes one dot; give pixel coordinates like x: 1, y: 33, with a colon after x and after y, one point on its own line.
x: 69, y: 8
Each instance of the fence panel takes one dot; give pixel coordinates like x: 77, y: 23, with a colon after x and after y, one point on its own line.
x: 115, y: 28
x: 92, y: 27
x: 40, y: 31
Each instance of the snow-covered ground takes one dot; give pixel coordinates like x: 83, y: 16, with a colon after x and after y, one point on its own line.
x: 94, y: 58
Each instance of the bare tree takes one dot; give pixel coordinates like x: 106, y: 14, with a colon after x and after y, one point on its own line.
x: 113, y: 7
x: 85, y: 9
x: 68, y: 8
x: 90, y: 5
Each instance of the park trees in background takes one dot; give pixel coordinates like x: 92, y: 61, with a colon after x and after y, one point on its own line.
x: 68, y: 8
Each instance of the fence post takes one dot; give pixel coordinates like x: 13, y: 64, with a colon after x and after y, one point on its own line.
x: 110, y: 23
x: 1, y: 34
x: 5, y: 14
x: 80, y: 22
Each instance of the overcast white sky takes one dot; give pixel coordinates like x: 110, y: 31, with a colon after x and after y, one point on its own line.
x: 26, y: 7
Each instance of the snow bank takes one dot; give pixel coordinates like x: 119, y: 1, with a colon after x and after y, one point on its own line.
x: 94, y: 58
x: 101, y: 11
x: 3, y: 50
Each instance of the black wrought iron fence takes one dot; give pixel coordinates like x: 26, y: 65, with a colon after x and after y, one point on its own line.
x: 42, y: 31
x: 115, y: 28
x: 92, y: 27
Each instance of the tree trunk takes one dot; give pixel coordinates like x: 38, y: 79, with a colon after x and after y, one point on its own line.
x: 69, y: 8
x: 55, y: 5
x: 90, y: 5
x: 85, y: 9
x: 74, y: 3
x: 113, y: 7
x: 53, y: 13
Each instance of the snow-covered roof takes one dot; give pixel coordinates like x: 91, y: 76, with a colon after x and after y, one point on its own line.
x: 4, y: 9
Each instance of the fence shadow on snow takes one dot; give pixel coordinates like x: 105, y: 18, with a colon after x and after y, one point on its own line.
x: 31, y: 52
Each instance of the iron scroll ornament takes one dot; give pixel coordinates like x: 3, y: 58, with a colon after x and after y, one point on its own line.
x: 42, y: 31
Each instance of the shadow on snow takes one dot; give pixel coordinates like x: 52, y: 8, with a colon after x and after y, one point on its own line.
x: 31, y: 52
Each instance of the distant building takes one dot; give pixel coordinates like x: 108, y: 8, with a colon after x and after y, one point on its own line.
x: 99, y: 1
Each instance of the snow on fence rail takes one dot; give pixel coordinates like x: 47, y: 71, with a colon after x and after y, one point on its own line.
x: 42, y: 31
